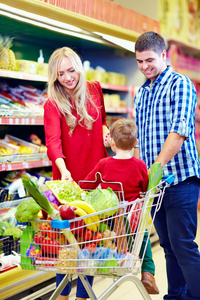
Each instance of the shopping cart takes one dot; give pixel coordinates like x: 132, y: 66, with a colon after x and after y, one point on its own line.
x: 106, y: 243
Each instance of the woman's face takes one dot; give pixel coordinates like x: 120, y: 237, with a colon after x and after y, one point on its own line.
x: 67, y: 75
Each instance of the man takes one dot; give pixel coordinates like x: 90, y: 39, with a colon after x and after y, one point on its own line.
x: 165, y: 116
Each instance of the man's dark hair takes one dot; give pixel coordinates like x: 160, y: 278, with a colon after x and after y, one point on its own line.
x: 150, y: 41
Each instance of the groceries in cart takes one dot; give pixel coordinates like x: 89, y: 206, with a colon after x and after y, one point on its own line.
x: 76, y: 237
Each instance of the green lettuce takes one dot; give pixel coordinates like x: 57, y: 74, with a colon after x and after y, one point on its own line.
x: 65, y: 190
x: 102, y: 199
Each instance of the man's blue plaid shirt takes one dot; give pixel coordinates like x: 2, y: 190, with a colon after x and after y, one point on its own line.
x: 168, y: 106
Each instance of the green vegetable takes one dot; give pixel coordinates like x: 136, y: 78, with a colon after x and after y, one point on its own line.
x: 108, y: 265
x: 14, y: 231
x: 4, y: 226
x: 44, y: 203
x: 101, y: 200
x: 41, y: 200
x: 65, y: 190
x: 9, y: 216
x: 102, y: 227
x: 27, y: 210
x: 155, y: 177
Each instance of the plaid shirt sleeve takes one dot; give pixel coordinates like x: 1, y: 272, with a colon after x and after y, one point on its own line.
x: 183, y: 103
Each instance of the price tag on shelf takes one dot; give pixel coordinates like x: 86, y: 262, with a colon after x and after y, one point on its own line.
x: 3, y: 167
x: 32, y: 121
x: 25, y: 165
x: 17, y: 121
x: 9, y: 167
x: 45, y: 162
x: 11, y: 121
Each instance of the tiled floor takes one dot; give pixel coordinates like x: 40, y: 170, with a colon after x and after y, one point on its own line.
x: 128, y: 290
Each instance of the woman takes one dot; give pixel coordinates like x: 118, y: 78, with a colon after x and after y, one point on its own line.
x: 75, y: 127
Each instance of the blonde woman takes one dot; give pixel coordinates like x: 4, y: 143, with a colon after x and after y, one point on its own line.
x: 75, y: 127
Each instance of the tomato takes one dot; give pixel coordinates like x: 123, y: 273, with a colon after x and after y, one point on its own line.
x: 44, y: 228
x: 53, y: 234
x: 98, y: 237
x: 50, y: 247
x: 87, y: 235
x: 38, y: 239
x: 91, y: 247
x: 77, y: 227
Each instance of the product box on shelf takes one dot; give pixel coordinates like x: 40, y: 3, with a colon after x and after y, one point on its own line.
x: 11, y: 149
x: 11, y: 139
x: 26, y: 66
x: 116, y: 78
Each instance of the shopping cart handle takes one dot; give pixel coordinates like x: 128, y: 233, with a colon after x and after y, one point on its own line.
x: 169, y: 178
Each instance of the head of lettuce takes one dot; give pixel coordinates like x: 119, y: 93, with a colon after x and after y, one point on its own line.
x: 101, y: 200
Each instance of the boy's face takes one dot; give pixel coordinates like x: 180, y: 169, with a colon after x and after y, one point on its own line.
x: 150, y: 63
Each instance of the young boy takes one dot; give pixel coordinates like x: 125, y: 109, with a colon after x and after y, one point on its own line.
x: 132, y: 173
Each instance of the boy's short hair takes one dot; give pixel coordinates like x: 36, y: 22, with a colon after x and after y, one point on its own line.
x: 124, y: 133
x: 150, y: 41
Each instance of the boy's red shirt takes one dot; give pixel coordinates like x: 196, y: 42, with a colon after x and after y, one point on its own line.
x: 132, y: 173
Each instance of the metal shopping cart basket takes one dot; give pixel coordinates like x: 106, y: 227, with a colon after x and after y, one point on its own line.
x: 106, y: 243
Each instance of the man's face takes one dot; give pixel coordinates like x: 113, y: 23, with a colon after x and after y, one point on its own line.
x: 150, y: 63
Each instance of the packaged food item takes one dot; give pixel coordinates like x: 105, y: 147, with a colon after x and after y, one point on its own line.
x: 65, y: 265
x: 26, y: 66
x: 23, y: 146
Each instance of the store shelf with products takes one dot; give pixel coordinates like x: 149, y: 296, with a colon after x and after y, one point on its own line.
x: 12, y: 117
x: 22, y: 76
x: 25, y: 165
x: 36, y: 77
x: 21, y: 121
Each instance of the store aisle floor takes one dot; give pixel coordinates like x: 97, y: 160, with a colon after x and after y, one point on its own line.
x: 128, y: 290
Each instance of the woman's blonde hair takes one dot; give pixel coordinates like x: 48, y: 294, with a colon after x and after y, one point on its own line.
x: 57, y: 93
x: 124, y: 133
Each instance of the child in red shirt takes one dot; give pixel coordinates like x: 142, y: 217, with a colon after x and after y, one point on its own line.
x: 132, y: 173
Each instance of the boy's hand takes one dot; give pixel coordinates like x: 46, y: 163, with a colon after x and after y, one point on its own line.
x: 142, y: 194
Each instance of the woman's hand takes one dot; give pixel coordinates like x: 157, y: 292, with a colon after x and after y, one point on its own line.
x: 66, y: 175
x: 106, y: 139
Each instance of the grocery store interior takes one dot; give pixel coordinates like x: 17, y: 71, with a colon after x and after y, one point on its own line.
x: 103, y: 32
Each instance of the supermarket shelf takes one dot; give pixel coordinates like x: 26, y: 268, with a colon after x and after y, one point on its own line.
x: 35, y: 77
x: 186, y: 46
x: 19, y: 157
x: 23, y: 76
x: 122, y: 110
x: 40, y: 121
x: 8, y: 204
x: 21, y: 121
x: 25, y: 165
x: 122, y: 88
